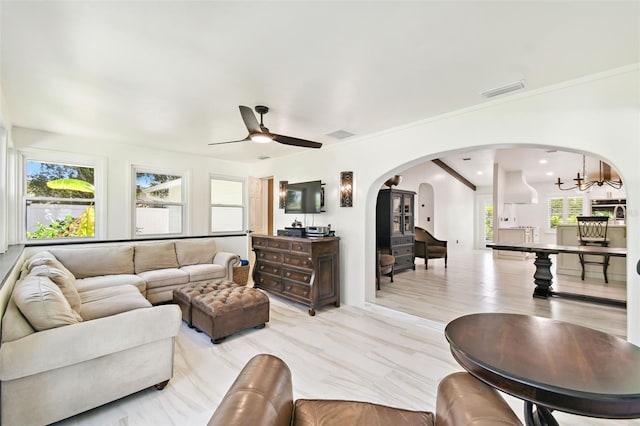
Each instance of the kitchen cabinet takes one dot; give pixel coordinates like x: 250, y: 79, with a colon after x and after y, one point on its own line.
x: 395, y: 228
x: 516, y: 235
x: 305, y: 270
x: 569, y: 264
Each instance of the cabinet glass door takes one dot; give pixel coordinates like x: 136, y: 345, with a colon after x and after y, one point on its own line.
x: 396, y: 204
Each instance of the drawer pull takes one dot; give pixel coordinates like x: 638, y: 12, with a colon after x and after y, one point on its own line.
x: 261, y: 267
x: 261, y: 280
x: 275, y: 271
x: 288, y: 274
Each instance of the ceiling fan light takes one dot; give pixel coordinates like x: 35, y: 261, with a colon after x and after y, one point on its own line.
x: 260, y: 138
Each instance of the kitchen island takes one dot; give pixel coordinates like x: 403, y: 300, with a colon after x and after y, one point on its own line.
x: 569, y: 264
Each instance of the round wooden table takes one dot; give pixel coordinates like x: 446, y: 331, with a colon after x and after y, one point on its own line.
x: 551, y: 364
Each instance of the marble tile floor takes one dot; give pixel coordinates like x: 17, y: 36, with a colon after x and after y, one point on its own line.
x: 373, y: 353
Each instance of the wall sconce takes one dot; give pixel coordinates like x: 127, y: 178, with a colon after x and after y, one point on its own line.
x: 346, y: 189
x: 282, y: 193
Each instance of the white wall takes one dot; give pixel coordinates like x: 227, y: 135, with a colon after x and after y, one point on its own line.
x: 598, y: 114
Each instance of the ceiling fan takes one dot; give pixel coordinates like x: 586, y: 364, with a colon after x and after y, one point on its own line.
x: 260, y: 134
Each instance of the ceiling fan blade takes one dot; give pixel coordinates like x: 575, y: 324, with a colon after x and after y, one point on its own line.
x: 223, y: 143
x: 288, y: 140
x: 250, y: 120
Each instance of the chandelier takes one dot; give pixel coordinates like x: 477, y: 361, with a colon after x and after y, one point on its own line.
x: 582, y: 184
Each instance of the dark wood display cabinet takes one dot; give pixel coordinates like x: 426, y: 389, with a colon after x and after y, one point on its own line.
x: 305, y: 270
x: 394, y: 226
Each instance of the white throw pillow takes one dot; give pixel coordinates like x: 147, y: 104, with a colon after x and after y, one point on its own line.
x: 66, y: 282
x: 42, y: 303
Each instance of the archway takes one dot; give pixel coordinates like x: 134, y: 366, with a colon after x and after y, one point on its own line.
x: 453, y: 215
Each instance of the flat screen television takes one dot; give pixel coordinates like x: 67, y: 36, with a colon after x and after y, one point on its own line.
x: 304, y: 197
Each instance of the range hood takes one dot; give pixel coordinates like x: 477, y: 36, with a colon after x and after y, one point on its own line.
x: 517, y: 190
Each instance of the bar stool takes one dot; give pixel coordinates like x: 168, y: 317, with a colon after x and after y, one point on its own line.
x: 592, y: 231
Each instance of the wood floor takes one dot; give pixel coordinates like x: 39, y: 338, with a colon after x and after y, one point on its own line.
x: 374, y: 354
x: 475, y: 282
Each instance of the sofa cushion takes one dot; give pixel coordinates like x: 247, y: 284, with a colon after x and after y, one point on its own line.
x: 336, y: 412
x: 42, y: 303
x: 193, y: 252
x: 94, y: 261
x: 164, y: 277
x: 65, y: 280
x: 92, y: 283
x: 14, y: 325
x: 204, y: 272
x: 104, y: 302
x: 152, y: 256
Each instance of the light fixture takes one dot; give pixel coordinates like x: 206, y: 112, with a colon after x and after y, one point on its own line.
x: 582, y: 184
x: 282, y: 193
x: 260, y: 137
x: 511, y: 87
x: 346, y: 189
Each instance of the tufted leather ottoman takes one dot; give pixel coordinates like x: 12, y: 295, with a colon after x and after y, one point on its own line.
x: 183, y: 296
x: 226, y: 311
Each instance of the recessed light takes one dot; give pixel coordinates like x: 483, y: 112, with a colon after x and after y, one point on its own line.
x: 479, y: 173
x: 549, y: 173
x: 543, y: 161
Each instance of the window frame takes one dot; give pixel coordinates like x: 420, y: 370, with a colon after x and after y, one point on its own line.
x: 565, y: 209
x: 67, y: 159
x: 243, y: 206
x: 135, y: 169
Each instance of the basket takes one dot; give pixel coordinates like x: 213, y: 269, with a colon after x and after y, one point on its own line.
x: 241, y: 274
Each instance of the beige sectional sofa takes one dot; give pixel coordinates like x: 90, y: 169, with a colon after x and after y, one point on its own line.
x: 79, y: 325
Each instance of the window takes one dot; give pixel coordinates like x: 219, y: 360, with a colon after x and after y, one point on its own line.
x: 227, y: 205
x: 159, y: 203
x: 564, y: 210
x: 59, y: 200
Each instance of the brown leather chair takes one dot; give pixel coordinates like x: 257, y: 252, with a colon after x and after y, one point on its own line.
x: 262, y: 395
x: 429, y: 247
x: 385, y: 266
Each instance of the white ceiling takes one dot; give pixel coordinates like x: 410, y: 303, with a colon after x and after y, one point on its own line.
x: 171, y: 74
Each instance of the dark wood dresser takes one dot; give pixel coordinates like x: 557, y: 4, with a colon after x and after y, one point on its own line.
x: 305, y: 270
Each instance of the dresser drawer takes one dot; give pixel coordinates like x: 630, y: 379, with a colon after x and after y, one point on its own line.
x: 304, y: 277
x: 279, y: 244
x: 402, y: 250
x: 270, y: 268
x: 301, y: 261
x: 404, y: 261
x: 296, y: 289
x: 270, y: 256
x: 398, y: 241
x: 301, y: 247
x: 268, y: 282
x: 259, y: 242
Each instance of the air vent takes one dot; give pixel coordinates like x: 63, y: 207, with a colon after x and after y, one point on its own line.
x: 511, y: 87
x: 340, y: 134
x: 263, y: 157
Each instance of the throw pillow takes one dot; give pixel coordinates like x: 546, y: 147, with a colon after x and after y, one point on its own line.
x: 65, y: 281
x: 195, y: 252
x: 153, y: 256
x: 42, y: 303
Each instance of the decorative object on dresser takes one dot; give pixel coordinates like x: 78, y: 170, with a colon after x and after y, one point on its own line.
x: 429, y: 247
x: 394, y: 226
x: 304, y: 270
